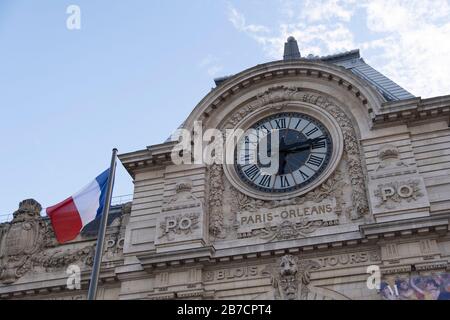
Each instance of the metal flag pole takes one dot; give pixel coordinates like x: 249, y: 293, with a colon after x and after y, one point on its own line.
x: 92, y: 293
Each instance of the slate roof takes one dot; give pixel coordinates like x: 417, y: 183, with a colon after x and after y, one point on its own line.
x: 91, y: 229
x: 352, y: 61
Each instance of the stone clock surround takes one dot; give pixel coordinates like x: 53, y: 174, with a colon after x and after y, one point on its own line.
x: 293, y: 106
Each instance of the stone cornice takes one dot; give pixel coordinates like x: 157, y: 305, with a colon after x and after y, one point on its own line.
x: 438, y: 223
x: 342, y: 77
x: 368, y: 234
x: 414, y: 109
x: 155, y: 155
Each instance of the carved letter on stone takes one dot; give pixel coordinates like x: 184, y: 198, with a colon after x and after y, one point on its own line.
x: 181, y: 219
x: 393, y: 193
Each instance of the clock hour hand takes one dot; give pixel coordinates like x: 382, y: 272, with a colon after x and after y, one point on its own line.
x: 281, y: 162
x: 301, y: 146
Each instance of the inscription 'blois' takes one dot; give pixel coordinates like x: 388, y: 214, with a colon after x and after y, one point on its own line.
x: 232, y: 273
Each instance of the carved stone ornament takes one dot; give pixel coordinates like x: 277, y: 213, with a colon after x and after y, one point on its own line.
x: 178, y: 225
x: 291, y: 277
x: 390, y: 163
x: 278, y: 97
x: 216, y: 189
x: 392, y: 193
x: 288, y: 230
x: 22, y: 238
x: 27, y: 242
x: 181, y: 218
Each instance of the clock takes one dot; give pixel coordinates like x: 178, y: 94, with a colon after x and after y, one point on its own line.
x: 305, y: 148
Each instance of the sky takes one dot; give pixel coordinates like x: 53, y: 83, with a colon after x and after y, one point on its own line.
x: 135, y: 69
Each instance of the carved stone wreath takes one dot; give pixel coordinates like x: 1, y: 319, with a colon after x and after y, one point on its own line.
x: 280, y: 96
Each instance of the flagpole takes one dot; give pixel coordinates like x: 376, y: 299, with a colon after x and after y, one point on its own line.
x: 92, y: 293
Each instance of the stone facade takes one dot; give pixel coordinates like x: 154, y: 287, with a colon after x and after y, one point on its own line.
x: 193, y: 233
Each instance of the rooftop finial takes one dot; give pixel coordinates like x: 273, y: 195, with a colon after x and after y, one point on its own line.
x: 291, y: 51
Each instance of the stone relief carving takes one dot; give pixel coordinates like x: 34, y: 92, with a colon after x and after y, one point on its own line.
x: 392, y: 193
x: 179, y: 224
x: 389, y: 157
x: 291, y: 277
x: 279, y: 96
x: 288, y: 230
x: 115, y: 241
x: 390, y: 163
x: 28, y: 243
x: 62, y: 258
x: 183, y: 193
x: 22, y: 238
x: 352, y: 152
x: 215, y: 200
x: 182, y: 217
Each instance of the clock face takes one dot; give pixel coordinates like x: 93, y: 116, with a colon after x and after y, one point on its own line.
x: 304, y: 152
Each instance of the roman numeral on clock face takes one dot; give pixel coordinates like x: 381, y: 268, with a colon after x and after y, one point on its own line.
x: 315, y: 160
x: 284, y: 182
x: 265, y: 180
x: 319, y: 144
x: 304, y: 175
x: 252, y: 172
x: 313, y: 130
x: 306, y: 149
x: 280, y: 123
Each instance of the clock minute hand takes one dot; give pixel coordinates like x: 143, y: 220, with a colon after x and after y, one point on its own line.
x: 300, y: 146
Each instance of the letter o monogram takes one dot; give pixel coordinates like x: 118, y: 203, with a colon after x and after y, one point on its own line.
x: 405, y: 191
x: 185, y: 223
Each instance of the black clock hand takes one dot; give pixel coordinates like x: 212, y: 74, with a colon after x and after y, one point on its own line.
x: 302, y: 145
x: 281, y: 162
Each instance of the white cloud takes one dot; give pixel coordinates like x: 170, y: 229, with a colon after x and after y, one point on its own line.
x: 238, y: 20
x: 320, y: 10
x: 414, y: 40
x: 409, y: 40
x: 211, y: 65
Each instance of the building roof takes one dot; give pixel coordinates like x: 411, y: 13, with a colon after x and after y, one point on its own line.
x: 350, y: 60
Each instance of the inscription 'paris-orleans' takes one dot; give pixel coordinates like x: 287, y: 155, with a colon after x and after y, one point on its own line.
x: 305, y: 148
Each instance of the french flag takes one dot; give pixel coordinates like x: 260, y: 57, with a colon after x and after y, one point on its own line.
x: 70, y: 216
